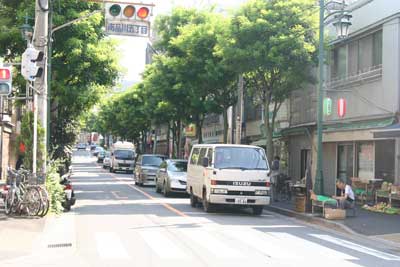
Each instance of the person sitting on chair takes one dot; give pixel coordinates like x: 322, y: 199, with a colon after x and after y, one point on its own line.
x: 346, y: 200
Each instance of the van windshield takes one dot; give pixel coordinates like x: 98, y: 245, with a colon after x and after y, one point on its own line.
x: 124, y: 154
x: 245, y: 158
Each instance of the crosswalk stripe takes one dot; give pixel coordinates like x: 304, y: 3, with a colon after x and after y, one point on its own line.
x: 161, y: 244
x: 357, y: 247
x: 109, y: 246
x: 213, y: 245
x: 307, y: 248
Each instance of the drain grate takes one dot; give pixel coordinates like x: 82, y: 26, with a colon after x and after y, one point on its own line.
x: 61, y: 245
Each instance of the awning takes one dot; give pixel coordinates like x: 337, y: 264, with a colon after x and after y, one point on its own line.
x: 359, y: 125
x: 391, y: 131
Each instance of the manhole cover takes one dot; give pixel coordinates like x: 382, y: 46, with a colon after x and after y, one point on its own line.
x: 61, y: 245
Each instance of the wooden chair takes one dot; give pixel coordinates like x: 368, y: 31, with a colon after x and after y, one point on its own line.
x: 394, y: 193
x: 360, y: 189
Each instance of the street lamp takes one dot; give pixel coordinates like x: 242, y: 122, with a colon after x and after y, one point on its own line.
x: 342, y: 23
x: 26, y: 30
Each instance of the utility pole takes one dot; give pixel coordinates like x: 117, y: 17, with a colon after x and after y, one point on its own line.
x: 40, y: 42
x: 240, y: 105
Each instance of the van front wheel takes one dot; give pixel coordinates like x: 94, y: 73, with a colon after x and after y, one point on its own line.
x: 207, y: 206
x: 257, y: 210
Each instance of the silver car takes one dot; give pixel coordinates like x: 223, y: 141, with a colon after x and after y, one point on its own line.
x: 107, y: 160
x: 146, y: 168
x: 171, y: 177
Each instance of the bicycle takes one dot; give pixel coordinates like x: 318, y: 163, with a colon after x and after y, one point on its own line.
x: 21, y: 197
x: 284, y: 187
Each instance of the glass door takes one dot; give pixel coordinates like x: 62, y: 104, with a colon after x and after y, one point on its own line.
x: 345, y: 162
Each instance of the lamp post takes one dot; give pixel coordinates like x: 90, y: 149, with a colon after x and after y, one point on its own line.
x: 341, y: 22
x: 26, y: 30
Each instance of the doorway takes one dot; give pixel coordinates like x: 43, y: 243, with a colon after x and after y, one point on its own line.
x: 345, y: 162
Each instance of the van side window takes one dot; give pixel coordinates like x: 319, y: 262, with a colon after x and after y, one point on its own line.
x: 195, y: 156
x: 210, y: 156
x: 203, y: 152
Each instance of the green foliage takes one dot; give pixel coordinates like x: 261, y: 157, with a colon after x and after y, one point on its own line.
x: 54, y: 188
x: 26, y: 137
x: 274, y: 44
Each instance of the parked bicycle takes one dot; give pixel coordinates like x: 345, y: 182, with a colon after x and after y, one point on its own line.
x: 25, y: 194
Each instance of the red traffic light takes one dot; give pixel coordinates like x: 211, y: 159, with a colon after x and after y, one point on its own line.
x: 143, y: 12
x: 5, y: 74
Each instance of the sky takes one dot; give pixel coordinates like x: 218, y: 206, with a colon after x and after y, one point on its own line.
x: 133, y: 49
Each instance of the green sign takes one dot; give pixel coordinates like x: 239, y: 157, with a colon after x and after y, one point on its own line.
x: 327, y: 106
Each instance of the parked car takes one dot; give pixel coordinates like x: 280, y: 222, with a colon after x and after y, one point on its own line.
x: 97, y: 150
x: 100, y: 156
x: 107, y: 160
x: 228, y: 175
x: 146, y: 168
x: 81, y: 146
x: 171, y: 177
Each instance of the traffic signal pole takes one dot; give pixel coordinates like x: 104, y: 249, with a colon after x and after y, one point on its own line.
x: 40, y: 42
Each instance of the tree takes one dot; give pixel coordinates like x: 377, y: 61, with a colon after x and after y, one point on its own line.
x: 273, y: 43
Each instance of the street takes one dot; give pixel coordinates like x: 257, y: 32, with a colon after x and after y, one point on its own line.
x: 116, y: 223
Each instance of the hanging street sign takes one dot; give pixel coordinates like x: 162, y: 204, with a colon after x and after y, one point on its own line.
x: 129, y: 19
x: 128, y: 28
x: 341, y: 107
x: 327, y: 106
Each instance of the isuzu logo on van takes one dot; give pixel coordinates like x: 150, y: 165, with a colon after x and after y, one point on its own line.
x: 238, y: 183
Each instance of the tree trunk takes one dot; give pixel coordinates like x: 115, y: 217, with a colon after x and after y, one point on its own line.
x: 199, y: 132
x: 269, y: 129
x: 225, y: 117
x: 173, y: 139
x: 168, y: 137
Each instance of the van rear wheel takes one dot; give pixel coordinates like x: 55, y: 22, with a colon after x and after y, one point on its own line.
x: 193, y: 199
x: 207, y: 206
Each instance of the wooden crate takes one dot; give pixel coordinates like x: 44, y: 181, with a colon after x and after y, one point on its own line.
x: 300, y: 204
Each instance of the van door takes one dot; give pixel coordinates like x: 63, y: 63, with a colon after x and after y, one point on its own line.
x: 201, y: 174
x: 192, y: 177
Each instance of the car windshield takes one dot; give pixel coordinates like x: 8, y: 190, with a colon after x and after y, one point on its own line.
x: 246, y: 158
x: 178, y: 166
x: 124, y: 154
x: 152, y: 160
x: 107, y: 154
x: 99, y: 148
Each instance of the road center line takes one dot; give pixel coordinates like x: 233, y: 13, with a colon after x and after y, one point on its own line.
x: 165, y: 205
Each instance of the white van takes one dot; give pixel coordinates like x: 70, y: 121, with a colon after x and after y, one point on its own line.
x: 122, y: 157
x: 228, y: 175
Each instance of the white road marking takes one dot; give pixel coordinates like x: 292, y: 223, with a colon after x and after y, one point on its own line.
x: 308, y: 248
x: 357, y: 247
x: 162, y: 245
x: 109, y: 246
x: 212, y: 244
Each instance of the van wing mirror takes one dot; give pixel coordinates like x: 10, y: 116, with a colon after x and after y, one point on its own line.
x: 205, y: 162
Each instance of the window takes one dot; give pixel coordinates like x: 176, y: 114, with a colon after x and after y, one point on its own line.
x: 365, y: 53
x: 377, y: 48
x: 203, y: 153
x: 195, y: 156
x: 385, y: 160
x: 152, y: 160
x: 124, y: 154
x: 345, y: 162
x: 210, y: 156
x: 339, y: 62
x: 240, y: 158
x: 178, y: 166
x: 365, y: 160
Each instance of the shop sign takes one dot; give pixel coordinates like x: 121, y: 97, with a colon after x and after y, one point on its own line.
x: 190, y: 130
x: 341, y: 107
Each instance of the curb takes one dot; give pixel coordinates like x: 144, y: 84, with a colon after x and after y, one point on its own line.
x: 331, y: 225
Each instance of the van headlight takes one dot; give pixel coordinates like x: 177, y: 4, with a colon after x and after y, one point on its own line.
x: 261, y: 192
x: 220, y: 191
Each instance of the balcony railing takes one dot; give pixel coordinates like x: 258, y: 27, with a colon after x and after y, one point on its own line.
x: 365, y: 75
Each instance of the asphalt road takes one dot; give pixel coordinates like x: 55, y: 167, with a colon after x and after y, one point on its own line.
x: 115, y: 223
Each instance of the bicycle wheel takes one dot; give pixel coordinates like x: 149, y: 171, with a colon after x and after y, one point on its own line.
x: 9, y: 202
x: 32, y: 201
x: 44, y: 196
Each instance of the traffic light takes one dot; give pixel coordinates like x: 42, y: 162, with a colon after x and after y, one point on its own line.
x: 29, y: 68
x: 128, y: 11
x: 5, y: 80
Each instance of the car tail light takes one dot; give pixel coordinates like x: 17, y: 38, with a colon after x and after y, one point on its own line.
x: 213, y: 182
x: 268, y: 184
x: 68, y: 187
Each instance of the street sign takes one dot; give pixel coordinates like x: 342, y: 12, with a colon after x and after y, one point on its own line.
x: 341, y: 107
x: 129, y: 19
x: 327, y: 106
x: 128, y: 27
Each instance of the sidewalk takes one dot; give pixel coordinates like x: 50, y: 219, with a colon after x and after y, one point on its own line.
x: 367, y: 223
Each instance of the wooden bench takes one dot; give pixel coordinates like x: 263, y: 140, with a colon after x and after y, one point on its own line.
x: 322, y: 204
